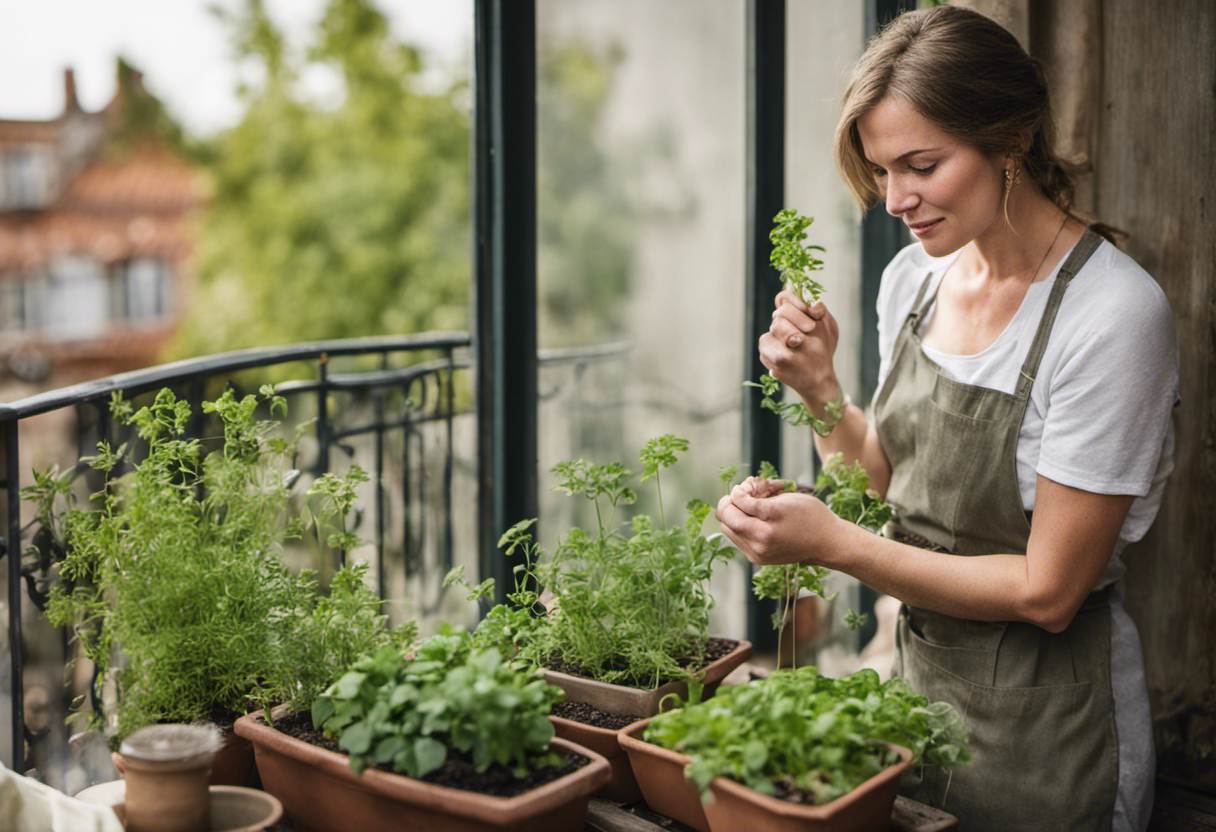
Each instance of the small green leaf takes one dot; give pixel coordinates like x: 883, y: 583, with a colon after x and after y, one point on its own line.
x: 429, y: 755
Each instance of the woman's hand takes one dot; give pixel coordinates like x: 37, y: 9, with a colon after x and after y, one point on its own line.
x: 771, y: 525
x: 799, y: 346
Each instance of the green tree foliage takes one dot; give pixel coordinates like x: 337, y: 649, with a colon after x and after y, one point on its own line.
x: 333, y: 221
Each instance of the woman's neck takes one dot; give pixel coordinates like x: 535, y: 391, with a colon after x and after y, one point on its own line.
x: 1019, y: 249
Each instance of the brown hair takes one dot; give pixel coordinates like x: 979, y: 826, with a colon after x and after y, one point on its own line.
x: 969, y: 76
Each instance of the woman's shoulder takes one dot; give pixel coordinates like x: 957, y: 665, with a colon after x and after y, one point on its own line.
x: 1113, y: 290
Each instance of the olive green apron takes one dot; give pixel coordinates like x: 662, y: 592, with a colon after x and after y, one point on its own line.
x: 1038, y: 705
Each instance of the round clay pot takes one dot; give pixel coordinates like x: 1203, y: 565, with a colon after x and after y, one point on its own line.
x: 167, y: 769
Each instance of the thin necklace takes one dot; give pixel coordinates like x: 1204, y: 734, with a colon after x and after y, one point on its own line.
x: 1050, y: 247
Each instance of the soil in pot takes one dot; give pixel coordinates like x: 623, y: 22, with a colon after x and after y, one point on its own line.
x: 320, y: 792
x: 714, y: 650
x: 591, y: 728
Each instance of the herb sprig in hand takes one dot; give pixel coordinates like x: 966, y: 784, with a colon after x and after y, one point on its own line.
x: 797, y: 262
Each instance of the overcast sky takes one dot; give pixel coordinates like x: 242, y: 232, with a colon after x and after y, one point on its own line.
x: 181, y: 48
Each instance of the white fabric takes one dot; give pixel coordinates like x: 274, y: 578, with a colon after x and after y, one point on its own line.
x: 1099, y: 419
x: 1099, y: 411
x: 29, y: 806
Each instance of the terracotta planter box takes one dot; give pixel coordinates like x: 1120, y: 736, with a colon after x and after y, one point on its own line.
x: 233, y: 764
x: 660, y: 777
x: 320, y: 792
x: 622, y: 788
x: 620, y: 699
x: 735, y: 806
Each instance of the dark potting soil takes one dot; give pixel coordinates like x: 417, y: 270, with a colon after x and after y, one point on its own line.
x: 457, y: 772
x: 587, y: 715
x: 785, y: 790
x: 714, y: 650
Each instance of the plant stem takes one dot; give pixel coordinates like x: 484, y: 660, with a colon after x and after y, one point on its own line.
x: 658, y: 483
x: 792, y: 594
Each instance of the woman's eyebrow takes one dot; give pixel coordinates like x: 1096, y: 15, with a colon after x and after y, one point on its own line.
x: 903, y: 156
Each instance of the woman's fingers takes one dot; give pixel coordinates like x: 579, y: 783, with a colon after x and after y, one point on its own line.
x: 814, y: 310
x: 787, y: 333
x: 774, y: 354
x: 785, y: 296
x: 753, y: 504
x: 797, y: 319
x: 744, y: 530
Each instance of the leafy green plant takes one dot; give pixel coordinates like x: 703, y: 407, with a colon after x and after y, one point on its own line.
x: 410, y: 714
x: 796, y: 261
x: 632, y: 599
x: 845, y: 489
x: 800, y: 731
x: 174, y: 585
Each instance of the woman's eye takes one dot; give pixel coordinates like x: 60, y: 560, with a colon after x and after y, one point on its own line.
x: 878, y: 172
x: 924, y: 170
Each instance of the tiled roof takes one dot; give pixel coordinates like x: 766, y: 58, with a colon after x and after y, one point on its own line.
x: 116, y: 207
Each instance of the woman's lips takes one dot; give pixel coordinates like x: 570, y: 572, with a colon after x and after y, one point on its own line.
x: 923, y: 228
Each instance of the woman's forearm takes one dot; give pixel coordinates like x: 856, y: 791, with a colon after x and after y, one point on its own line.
x: 983, y: 588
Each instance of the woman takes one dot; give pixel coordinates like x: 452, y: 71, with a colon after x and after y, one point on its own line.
x: 1021, y: 428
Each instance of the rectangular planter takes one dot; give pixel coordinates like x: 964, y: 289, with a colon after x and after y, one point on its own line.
x: 320, y: 792
x: 660, y: 777
x: 735, y: 806
x: 621, y: 699
x: 622, y: 788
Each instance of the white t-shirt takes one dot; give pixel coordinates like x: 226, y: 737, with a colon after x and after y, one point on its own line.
x: 1099, y: 412
x: 1099, y: 419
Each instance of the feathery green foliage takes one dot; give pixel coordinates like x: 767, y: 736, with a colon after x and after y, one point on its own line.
x: 632, y: 600
x: 796, y: 262
x: 174, y: 584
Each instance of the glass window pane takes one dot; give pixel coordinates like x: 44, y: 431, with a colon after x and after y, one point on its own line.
x: 816, y: 81
x: 78, y: 298
x: 641, y: 234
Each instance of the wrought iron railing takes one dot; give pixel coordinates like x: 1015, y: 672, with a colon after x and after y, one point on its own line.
x: 399, y: 390
x: 392, y: 403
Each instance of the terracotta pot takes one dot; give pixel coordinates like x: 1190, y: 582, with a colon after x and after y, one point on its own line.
x: 621, y: 699
x: 320, y: 792
x: 166, y: 769
x: 622, y: 788
x: 735, y: 806
x: 660, y: 776
x: 233, y: 764
x: 234, y: 809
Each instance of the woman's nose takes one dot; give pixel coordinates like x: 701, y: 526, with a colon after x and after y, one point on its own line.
x: 900, y: 200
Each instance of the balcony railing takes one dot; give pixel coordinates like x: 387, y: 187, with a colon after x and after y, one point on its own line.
x: 400, y: 406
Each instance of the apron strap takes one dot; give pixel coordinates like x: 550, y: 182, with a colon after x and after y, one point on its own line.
x: 1081, y: 252
x: 920, y: 306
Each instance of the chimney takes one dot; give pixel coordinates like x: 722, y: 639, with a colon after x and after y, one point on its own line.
x: 70, y: 102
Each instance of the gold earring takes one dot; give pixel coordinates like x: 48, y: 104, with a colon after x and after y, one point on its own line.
x: 1012, y: 176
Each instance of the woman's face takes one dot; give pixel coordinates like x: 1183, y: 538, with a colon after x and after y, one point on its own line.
x: 946, y: 192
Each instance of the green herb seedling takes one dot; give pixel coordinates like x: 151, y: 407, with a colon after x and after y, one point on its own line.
x: 796, y: 262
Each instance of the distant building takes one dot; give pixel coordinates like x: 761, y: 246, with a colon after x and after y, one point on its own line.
x: 95, y: 238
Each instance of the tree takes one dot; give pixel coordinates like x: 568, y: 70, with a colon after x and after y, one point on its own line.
x: 333, y: 221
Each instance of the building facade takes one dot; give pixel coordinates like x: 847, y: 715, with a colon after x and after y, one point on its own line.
x: 95, y: 239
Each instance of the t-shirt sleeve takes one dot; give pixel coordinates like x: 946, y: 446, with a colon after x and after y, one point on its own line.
x: 894, y: 297
x: 1111, y: 395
